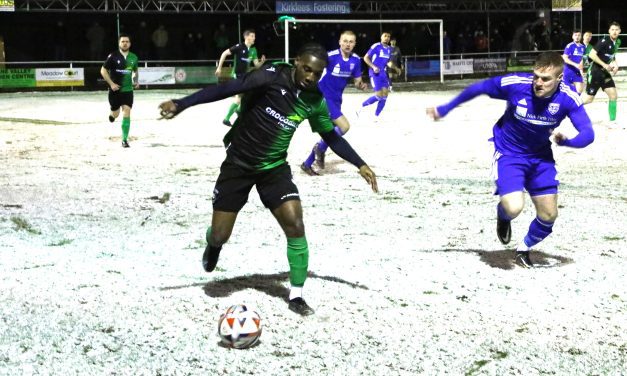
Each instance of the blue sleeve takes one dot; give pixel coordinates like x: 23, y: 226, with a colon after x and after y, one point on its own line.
x: 581, y: 121
x: 568, y: 50
x: 491, y: 87
x: 253, y: 80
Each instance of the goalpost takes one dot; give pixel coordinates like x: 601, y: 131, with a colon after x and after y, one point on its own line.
x: 295, y: 21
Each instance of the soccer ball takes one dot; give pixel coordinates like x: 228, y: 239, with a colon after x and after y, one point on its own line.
x: 239, y: 327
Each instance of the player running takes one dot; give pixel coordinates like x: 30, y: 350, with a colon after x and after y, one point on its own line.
x: 603, y: 66
x: 377, y: 58
x: 243, y: 55
x: 343, y: 65
x: 573, y: 62
x: 277, y: 98
x: 523, y: 160
x: 120, y: 71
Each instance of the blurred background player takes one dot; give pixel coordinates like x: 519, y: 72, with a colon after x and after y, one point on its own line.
x: 120, y: 72
x: 573, y: 62
x: 243, y: 55
x: 523, y: 159
x: 378, y: 58
x: 277, y: 99
x: 587, y: 37
x: 343, y: 66
x: 602, y: 66
x: 396, y: 60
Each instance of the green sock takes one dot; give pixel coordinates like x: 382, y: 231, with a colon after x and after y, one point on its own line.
x: 238, y: 110
x: 126, y: 127
x: 298, y: 257
x: 612, y: 109
x: 232, y: 110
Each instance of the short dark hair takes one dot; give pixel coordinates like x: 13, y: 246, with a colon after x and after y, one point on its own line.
x: 549, y: 59
x: 576, y: 31
x: 248, y: 31
x: 124, y: 35
x: 313, y: 49
x: 614, y: 23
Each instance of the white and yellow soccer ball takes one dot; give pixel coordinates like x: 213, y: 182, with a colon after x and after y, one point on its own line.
x: 239, y: 327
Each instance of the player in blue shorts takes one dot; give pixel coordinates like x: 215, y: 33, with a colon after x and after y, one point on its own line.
x: 523, y: 160
x: 573, y: 62
x: 343, y: 66
x: 377, y: 58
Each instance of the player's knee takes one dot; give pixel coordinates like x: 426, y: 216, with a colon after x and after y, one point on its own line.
x: 294, y: 228
x: 512, y: 208
x: 549, y: 215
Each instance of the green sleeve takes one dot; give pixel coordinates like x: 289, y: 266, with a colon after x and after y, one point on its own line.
x: 320, y: 121
x: 252, y: 54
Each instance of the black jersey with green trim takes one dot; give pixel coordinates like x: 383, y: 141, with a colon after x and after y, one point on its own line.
x: 272, y: 109
x: 606, y: 50
x: 270, y: 114
x: 121, y: 69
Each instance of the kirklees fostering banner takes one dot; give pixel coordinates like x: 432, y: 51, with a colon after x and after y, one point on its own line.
x: 459, y: 66
x: 156, y: 76
x: 313, y: 7
x: 60, y: 77
x: 17, y: 78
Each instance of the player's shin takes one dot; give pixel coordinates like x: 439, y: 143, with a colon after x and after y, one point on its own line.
x: 611, y: 107
x: 538, y: 231
x: 126, y: 127
x: 298, y: 258
x: 380, y: 105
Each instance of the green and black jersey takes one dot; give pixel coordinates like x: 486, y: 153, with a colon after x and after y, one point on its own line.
x: 586, y: 57
x: 272, y: 109
x: 121, y: 69
x: 243, y: 57
x: 606, y: 50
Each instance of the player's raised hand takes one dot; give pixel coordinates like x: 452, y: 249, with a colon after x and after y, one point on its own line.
x: 433, y: 114
x: 370, y: 177
x: 168, y: 110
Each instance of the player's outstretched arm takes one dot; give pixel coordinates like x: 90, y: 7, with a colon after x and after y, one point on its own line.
x: 344, y: 150
x: 581, y: 121
x: 490, y: 87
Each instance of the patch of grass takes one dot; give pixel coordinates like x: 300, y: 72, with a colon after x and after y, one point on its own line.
x: 575, y: 351
x: 22, y: 224
x: 476, y: 367
x: 60, y: 243
x: 613, y: 238
x: 429, y: 292
x: 186, y: 171
x: 497, y: 354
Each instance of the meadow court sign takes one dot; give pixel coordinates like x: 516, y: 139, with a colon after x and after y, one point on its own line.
x: 313, y: 7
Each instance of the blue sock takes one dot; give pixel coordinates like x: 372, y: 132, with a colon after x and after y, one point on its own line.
x: 370, y: 101
x: 500, y: 213
x: 322, y: 146
x: 310, y: 159
x: 538, y: 231
x: 380, y: 105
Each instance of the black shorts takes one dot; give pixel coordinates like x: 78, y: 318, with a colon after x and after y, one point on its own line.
x: 118, y: 98
x: 598, y: 79
x: 274, y: 186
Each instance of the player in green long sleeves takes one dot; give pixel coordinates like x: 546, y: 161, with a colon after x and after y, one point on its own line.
x: 120, y: 72
x: 277, y: 99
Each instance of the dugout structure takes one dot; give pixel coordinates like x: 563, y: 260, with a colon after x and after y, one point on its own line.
x: 296, y: 21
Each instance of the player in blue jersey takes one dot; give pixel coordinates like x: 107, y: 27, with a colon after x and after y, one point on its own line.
x: 378, y: 58
x: 343, y: 66
x: 523, y: 159
x: 573, y: 62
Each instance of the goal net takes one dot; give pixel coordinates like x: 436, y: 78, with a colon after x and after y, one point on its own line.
x: 420, y: 40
